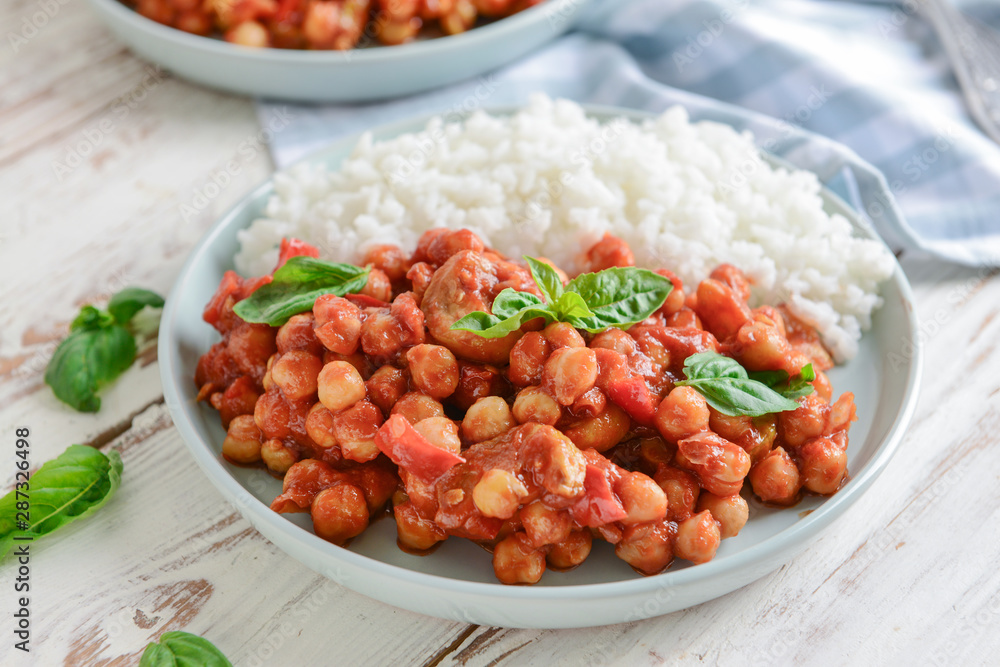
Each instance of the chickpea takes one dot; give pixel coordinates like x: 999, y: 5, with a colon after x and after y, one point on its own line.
x: 556, y: 463
x: 319, y: 426
x: 420, y: 275
x: 721, y: 309
x: 601, y: 432
x: 156, y: 10
x: 355, y: 430
x: 498, y: 493
x: 338, y: 324
x: 544, y: 525
x: 297, y: 334
x: 243, y: 440
x: 277, y: 456
x: 759, y: 346
x: 250, y: 346
x: 516, y: 562
x: 248, y: 33
x: 534, y: 405
x: 720, y: 465
x: 413, y: 532
x: 358, y: 360
x: 240, y: 398
x: 647, y: 547
x: 590, y: 404
x: 295, y: 373
x: 486, y: 419
x: 563, y: 334
x: 807, y: 421
x: 570, y: 552
x: 615, y: 339
x: 730, y: 512
x: 842, y: 413
x: 476, y: 382
x: 569, y: 373
x: 683, y: 413
x: 675, y: 300
x: 433, y: 369
x: 610, y: 251
x: 386, y: 386
x: 460, y: 18
x: 340, y: 386
x: 527, y: 359
x: 822, y: 465
x: 681, y: 489
x: 642, y: 498
x: 390, y: 259
x: 378, y: 286
x: 266, y: 381
x: 440, y: 432
x: 734, y: 278
x: 698, y: 538
x: 776, y: 478
x: 685, y: 318
x: 822, y: 386
x: 271, y: 414
x: 416, y: 407
x: 339, y: 513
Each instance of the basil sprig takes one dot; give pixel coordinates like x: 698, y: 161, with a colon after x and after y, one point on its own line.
x: 99, y: 348
x: 183, y: 649
x: 296, y: 286
x: 728, y: 387
x: 69, y: 487
x: 615, y: 297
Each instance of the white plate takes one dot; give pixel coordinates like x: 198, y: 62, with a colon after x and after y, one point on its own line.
x: 457, y: 582
x: 340, y: 76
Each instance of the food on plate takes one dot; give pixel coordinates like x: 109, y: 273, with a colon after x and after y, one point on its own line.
x: 549, y: 181
x: 500, y: 400
x: 325, y: 24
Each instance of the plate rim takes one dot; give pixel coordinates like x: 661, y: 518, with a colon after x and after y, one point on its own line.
x: 770, y: 548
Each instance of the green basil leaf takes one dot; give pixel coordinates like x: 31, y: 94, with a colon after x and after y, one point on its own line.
x: 793, y: 388
x: 571, y: 307
x: 712, y: 365
x: 509, y: 302
x: 89, y: 318
x: 183, y: 649
x: 619, y: 296
x: 87, y: 360
x: 770, y: 378
x: 296, y: 286
x: 548, y: 281
x: 490, y: 326
x: 125, y: 304
x: 71, y: 486
x: 738, y: 396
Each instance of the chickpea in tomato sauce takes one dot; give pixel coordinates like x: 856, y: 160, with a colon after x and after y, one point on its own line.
x: 535, y: 443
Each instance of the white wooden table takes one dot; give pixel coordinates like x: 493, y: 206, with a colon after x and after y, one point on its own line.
x: 102, y: 159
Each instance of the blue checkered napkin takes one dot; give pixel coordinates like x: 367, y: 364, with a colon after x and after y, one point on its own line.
x: 832, y: 87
